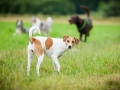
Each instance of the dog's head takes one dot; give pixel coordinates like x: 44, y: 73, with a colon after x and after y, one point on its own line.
x: 19, y: 24
x: 75, y: 20
x: 70, y: 41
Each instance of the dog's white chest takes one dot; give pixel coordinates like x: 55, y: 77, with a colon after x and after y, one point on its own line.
x: 18, y: 30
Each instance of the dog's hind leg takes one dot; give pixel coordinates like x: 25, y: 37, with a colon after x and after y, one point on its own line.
x: 30, y: 56
x: 81, y: 36
x: 40, y: 59
x: 46, y: 33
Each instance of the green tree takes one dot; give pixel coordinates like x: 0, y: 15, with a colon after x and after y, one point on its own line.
x: 111, y: 8
x: 37, y: 6
x: 57, y: 7
x: 91, y: 4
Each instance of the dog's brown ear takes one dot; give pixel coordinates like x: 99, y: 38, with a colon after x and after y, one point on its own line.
x: 64, y: 38
x: 76, y: 41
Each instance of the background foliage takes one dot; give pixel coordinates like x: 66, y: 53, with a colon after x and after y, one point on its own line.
x: 59, y: 7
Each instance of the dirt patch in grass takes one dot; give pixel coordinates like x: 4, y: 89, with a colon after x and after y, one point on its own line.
x: 60, y: 19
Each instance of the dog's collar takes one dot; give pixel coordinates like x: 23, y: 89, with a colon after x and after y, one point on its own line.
x: 84, y: 24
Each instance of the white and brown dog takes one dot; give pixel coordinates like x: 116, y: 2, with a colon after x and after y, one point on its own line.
x: 52, y: 47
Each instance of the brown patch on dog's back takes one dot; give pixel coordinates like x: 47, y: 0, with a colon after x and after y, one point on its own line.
x: 48, y: 43
x: 37, y: 47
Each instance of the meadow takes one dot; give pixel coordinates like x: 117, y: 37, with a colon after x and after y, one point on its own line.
x: 94, y: 65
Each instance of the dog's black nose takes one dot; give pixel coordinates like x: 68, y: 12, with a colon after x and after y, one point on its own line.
x: 69, y: 47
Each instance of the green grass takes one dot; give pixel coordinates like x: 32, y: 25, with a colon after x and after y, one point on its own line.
x: 94, y: 65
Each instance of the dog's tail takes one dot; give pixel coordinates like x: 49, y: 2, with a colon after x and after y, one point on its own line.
x: 32, y: 29
x: 86, y: 9
x: 49, y: 20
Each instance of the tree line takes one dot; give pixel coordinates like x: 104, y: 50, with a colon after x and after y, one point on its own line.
x: 59, y: 7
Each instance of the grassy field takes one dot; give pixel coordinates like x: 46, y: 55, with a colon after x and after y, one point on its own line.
x: 94, y: 65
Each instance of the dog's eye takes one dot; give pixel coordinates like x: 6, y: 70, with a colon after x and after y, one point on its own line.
x: 73, y: 42
x: 67, y: 40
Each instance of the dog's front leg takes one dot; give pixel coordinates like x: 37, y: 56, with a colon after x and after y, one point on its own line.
x: 56, y: 63
x: 40, y: 59
x: 85, y: 38
x: 81, y: 36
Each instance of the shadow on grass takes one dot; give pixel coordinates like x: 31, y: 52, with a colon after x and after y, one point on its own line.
x: 112, y: 85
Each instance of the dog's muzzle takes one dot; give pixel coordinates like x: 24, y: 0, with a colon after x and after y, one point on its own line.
x: 70, y: 21
x: 69, y: 47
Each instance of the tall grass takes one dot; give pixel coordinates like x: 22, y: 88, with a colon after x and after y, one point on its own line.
x: 94, y: 65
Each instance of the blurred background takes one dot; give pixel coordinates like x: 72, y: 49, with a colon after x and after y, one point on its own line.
x: 94, y: 65
x: 105, y: 8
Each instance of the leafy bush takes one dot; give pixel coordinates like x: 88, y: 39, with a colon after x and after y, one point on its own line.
x: 38, y: 6
x: 111, y: 8
x: 57, y: 7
